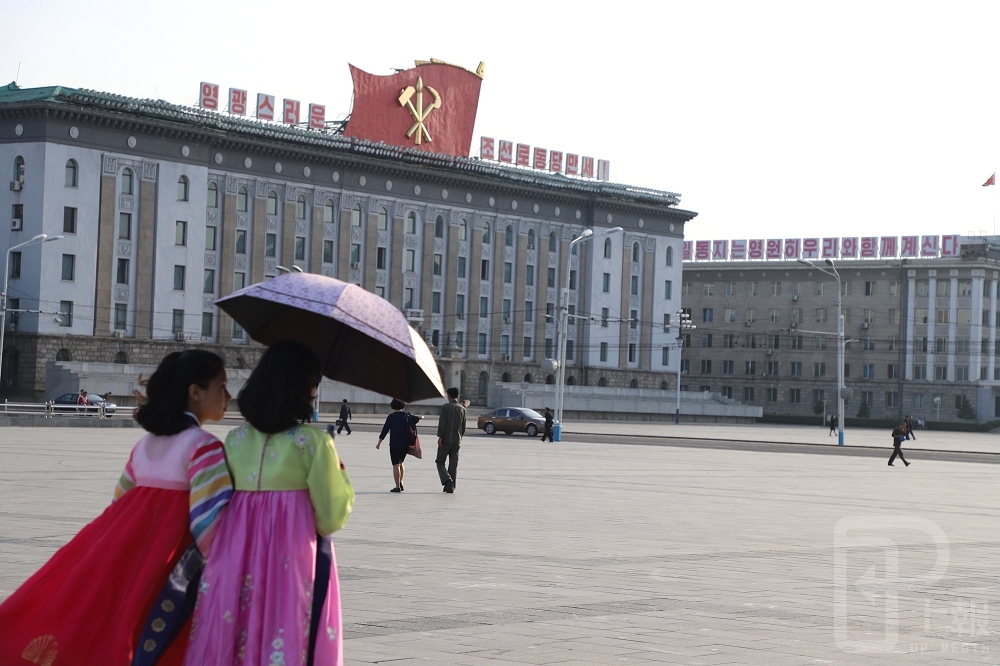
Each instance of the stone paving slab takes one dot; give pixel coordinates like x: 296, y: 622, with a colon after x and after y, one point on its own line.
x: 578, y: 553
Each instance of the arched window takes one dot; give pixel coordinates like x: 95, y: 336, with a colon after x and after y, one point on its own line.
x: 383, y: 219
x: 505, y: 377
x: 63, y: 355
x: 241, y: 200
x: 670, y: 256
x: 607, y: 248
x: 121, y: 358
x: 571, y: 381
x: 213, y: 195
x: 508, y: 236
x: 552, y: 242
x: 356, y: 215
x: 411, y: 223
x: 439, y: 227
x: 126, y: 181
x: 10, y: 366
x: 575, y: 250
x: 272, y: 203
x: 663, y: 385
x: 463, y: 230
x: 527, y: 379
x: 602, y: 382
x: 486, y: 233
x: 182, y: 188
x: 19, y: 169
x: 484, y: 380
x: 550, y: 379
x: 328, y: 213
x: 531, y: 239
x: 634, y: 384
x: 72, y: 171
x: 300, y: 208
x: 635, y: 252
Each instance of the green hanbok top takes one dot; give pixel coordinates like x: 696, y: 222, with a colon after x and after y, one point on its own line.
x: 300, y: 458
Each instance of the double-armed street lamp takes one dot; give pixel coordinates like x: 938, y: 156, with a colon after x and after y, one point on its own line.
x: 40, y: 238
x: 841, y: 391
x: 683, y: 324
x: 587, y: 234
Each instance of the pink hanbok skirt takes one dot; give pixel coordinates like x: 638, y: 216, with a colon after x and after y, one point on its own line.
x: 255, y: 601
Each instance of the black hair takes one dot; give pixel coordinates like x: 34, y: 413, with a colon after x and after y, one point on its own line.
x: 161, y: 410
x: 277, y: 396
x: 453, y: 393
x: 397, y: 404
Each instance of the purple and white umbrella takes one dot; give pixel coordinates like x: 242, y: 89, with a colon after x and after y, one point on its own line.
x: 360, y: 338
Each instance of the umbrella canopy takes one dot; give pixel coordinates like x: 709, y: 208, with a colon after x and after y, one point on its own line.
x: 360, y: 338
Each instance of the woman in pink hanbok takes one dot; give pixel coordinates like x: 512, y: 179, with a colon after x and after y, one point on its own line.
x: 269, y: 593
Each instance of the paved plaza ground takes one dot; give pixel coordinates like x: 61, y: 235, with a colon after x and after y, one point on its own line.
x: 586, y: 552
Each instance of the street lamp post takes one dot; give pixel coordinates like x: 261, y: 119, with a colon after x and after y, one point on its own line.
x: 40, y: 238
x: 683, y: 324
x: 840, y: 344
x: 563, y: 332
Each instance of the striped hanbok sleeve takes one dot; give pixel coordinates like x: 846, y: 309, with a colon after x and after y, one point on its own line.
x: 211, y: 490
x: 127, y: 480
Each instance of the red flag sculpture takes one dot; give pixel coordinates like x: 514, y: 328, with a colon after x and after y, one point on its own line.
x: 431, y: 107
x: 992, y: 180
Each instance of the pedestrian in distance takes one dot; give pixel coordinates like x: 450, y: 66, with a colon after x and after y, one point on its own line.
x: 451, y: 429
x: 90, y: 601
x: 270, y: 592
x: 898, y: 434
x: 397, y: 426
x: 82, y: 402
x: 908, y: 421
x: 345, y: 416
x: 833, y: 424
x: 547, y: 428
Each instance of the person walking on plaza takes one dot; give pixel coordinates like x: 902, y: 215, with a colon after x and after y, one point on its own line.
x: 908, y: 421
x: 345, y: 416
x: 833, y: 425
x: 898, y: 434
x: 396, y: 426
x: 451, y: 429
x: 547, y: 429
x: 88, y: 603
x: 270, y: 592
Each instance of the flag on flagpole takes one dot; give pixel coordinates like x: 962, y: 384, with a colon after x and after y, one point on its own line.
x: 992, y: 180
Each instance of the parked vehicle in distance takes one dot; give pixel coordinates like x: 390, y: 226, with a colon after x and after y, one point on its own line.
x: 512, y: 419
x: 95, y: 403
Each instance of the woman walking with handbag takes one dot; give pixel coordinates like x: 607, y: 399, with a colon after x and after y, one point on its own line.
x: 397, y: 426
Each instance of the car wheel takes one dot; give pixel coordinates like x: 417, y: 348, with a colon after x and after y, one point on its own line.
x: 490, y: 429
x: 508, y: 432
x: 531, y: 430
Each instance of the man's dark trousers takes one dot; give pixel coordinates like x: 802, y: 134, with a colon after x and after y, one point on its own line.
x: 343, y: 424
x: 449, y: 476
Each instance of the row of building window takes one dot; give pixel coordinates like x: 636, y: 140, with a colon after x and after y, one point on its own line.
x: 774, y: 288
x: 796, y: 315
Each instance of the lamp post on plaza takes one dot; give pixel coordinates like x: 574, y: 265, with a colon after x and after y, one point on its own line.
x: 587, y: 234
x: 840, y: 344
x: 683, y: 324
x: 40, y: 238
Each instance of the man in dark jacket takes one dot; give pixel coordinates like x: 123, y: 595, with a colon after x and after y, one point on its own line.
x: 345, y: 416
x: 898, y: 434
x: 547, y: 432
x: 451, y: 429
x: 909, y: 427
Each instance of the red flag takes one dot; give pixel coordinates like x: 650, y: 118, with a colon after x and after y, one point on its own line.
x: 430, y: 107
x: 991, y: 181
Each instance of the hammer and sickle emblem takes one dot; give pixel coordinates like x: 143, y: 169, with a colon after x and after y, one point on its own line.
x: 418, y: 112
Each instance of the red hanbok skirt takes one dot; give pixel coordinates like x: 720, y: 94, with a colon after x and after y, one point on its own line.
x: 87, y: 605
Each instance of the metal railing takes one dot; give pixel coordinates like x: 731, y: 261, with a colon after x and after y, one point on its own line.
x: 50, y: 409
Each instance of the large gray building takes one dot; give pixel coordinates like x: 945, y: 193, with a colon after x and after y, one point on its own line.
x: 165, y: 208
x: 923, y: 334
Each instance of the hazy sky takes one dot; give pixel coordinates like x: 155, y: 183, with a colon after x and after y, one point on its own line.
x: 778, y: 119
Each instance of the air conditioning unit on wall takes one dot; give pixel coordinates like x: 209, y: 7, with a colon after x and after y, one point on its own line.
x: 118, y: 334
x: 506, y: 357
x: 181, y: 337
x: 16, y: 186
x: 16, y: 224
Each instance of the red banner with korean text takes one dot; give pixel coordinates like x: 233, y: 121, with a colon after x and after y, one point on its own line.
x: 431, y: 107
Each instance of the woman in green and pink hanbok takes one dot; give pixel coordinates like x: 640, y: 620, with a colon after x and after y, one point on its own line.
x: 269, y: 593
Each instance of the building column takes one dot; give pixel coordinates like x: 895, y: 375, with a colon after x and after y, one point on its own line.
x: 316, y: 233
x: 910, y: 338
x: 426, y: 283
x: 103, y: 283
x: 976, y: 334
x: 931, y: 322
x: 496, y: 277
x: 370, y: 234
x: 450, y: 269
x: 626, y: 300
x: 952, y: 326
x: 227, y: 256
x: 991, y: 353
x: 258, y: 233
x: 396, y: 249
x: 517, y: 302
x: 564, y: 242
x: 538, y: 302
x: 472, y: 291
x: 288, y: 221
x: 145, y: 255
x: 646, y: 312
x: 344, y: 240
